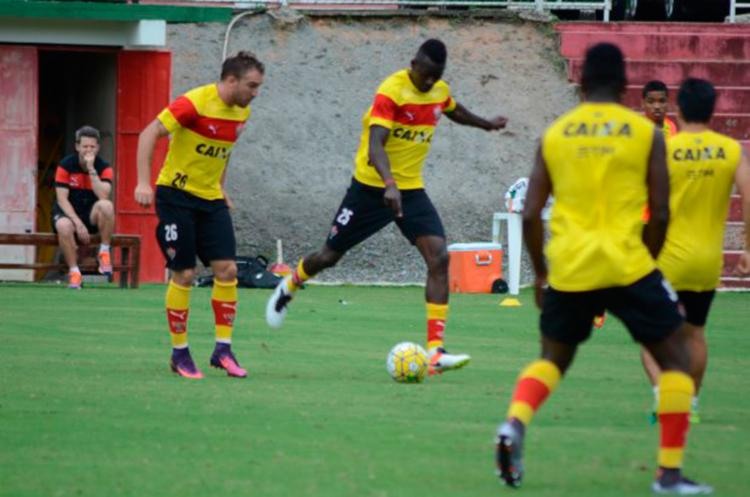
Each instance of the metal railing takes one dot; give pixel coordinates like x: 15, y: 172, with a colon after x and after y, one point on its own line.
x: 536, y: 5
x: 734, y: 5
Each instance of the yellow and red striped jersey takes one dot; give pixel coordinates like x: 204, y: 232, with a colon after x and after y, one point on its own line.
x: 69, y: 174
x: 204, y: 130
x: 669, y: 129
x: 411, y: 115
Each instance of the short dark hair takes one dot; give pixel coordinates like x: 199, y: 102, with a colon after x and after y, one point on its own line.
x: 239, y: 64
x: 434, y: 50
x: 604, y: 68
x: 88, y: 131
x: 654, y: 85
x: 696, y: 99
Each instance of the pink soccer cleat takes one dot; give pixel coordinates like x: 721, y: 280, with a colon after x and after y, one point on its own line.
x: 182, y: 364
x: 223, y: 358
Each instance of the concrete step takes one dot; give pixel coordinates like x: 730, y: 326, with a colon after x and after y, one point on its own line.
x: 735, y: 209
x: 736, y: 283
x: 731, y: 99
x: 616, y: 28
x: 735, y: 125
x: 731, y: 258
x: 672, y: 72
x: 734, y: 236
x: 662, y: 46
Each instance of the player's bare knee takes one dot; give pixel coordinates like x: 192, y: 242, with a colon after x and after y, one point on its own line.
x: 105, y: 208
x: 184, y: 277
x: 65, y: 229
x: 438, y: 263
x: 225, y: 271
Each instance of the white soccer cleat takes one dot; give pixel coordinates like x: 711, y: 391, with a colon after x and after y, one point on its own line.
x: 683, y: 486
x: 277, y: 304
x: 441, y: 360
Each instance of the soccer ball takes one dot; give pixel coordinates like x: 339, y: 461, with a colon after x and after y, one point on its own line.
x: 407, y: 363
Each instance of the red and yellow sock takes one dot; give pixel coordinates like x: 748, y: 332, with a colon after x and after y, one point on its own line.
x: 676, y: 390
x: 177, y: 303
x: 224, y: 303
x: 437, y: 315
x: 297, y: 278
x: 536, y: 382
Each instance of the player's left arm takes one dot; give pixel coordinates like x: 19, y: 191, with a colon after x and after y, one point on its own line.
x: 742, y: 180
x: 227, y: 199
x: 462, y: 115
x: 657, y: 180
x: 539, y: 189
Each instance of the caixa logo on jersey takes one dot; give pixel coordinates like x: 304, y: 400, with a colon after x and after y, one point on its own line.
x: 212, y: 151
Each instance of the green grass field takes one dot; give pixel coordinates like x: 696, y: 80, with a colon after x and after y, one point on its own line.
x: 88, y: 406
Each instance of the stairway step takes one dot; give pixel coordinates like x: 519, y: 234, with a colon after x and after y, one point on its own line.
x: 662, y: 46
x: 617, y: 28
x: 731, y: 99
x: 734, y: 236
x: 735, y: 283
x: 735, y: 209
x: 673, y: 72
x: 731, y: 258
x: 735, y: 125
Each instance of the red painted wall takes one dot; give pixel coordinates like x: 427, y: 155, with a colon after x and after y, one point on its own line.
x: 18, y: 151
x: 143, y: 90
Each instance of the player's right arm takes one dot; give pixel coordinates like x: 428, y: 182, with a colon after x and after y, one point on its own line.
x: 144, y: 194
x: 539, y: 189
x: 742, y: 180
x: 379, y: 159
x: 657, y: 180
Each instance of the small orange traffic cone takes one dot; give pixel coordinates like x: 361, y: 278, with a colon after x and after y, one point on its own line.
x: 279, y: 268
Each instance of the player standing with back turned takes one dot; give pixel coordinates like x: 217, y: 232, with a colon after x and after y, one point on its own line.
x: 604, y: 162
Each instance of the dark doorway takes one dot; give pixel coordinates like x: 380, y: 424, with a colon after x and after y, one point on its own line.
x: 76, y: 87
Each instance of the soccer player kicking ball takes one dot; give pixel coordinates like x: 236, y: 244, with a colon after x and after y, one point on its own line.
x: 604, y: 163
x: 387, y: 186
x: 191, y: 203
x: 703, y: 167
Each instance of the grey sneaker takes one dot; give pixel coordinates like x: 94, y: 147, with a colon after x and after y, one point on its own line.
x: 682, y: 486
x: 508, y: 453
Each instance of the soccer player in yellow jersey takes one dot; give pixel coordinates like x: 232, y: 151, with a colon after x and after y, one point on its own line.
x: 603, y: 162
x: 387, y: 186
x: 703, y: 167
x: 655, y: 104
x: 191, y: 203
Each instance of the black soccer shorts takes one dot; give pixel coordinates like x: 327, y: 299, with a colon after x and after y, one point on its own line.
x: 648, y: 308
x: 190, y: 226
x: 363, y: 213
x: 695, y: 305
x: 82, y: 211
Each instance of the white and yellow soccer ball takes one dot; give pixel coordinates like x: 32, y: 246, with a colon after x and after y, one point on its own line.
x: 407, y: 363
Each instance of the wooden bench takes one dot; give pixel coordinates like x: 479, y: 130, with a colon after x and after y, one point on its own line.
x: 129, y: 260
